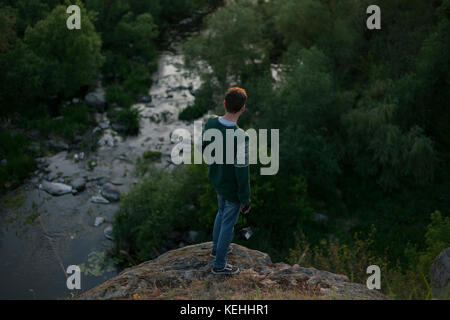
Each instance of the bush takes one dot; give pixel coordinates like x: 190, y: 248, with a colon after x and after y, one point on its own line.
x: 148, y: 212
x: 20, y: 162
x: 128, y: 118
x: 75, y: 120
x: 437, y: 238
x: 351, y: 260
x: 145, y: 163
x: 204, y: 101
x: 135, y: 80
x: 152, y: 155
x: 138, y: 80
x: 192, y: 112
x: 116, y: 94
x: 397, y: 281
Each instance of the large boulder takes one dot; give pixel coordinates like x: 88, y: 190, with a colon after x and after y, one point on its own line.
x: 440, y: 275
x: 188, y: 270
x: 55, y: 189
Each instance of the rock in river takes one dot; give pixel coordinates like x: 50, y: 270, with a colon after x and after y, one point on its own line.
x: 99, y: 199
x: 98, y: 221
x: 54, y: 188
x: 111, y: 192
x: 108, y: 232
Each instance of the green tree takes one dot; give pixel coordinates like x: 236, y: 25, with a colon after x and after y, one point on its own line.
x: 7, y: 33
x: 70, y: 58
x: 430, y: 102
x: 30, y: 11
x: 379, y: 148
x: 134, y: 36
x: 311, y: 19
x: 233, y: 44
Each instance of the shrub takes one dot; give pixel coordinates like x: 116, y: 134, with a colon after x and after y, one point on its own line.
x: 203, y: 102
x: 145, y: 163
x: 138, y: 80
x: 116, y: 94
x: 351, y: 260
x: 128, y: 118
x: 397, y: 281
x: 75, y: 120
x: 437, y: 238
x: 147, y: 213
x: 192, y: 112
x: 152, y: 155
x: 20, y: 162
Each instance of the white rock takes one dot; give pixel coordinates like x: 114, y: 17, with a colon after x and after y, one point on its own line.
x: 55, y: 188
x: 99, y: 199
x: 108, y: 232
x: 99, y: 221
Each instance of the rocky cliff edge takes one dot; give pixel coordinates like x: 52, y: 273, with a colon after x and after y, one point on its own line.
x: 185, y: 274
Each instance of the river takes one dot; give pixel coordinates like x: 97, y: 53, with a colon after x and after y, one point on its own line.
x: 41, y: 234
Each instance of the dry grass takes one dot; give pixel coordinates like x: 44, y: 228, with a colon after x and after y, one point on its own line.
x: 240, y: 287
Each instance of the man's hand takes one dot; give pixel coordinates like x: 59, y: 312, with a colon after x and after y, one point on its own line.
x: 245, y: 209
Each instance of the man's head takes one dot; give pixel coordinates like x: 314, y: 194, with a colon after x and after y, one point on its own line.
x: 235, y: 100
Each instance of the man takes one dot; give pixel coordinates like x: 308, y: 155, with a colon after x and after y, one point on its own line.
x: 230, y: 180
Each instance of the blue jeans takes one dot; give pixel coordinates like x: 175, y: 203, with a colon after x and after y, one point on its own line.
x: 226, y: 218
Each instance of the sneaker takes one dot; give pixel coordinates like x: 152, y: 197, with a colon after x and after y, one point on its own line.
x: 213, y: 252
x: 229, y: 269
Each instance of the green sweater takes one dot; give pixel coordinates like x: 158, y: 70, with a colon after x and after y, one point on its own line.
x: 231, y: 181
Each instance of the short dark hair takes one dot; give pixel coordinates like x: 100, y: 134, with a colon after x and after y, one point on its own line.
x: 235, y: 99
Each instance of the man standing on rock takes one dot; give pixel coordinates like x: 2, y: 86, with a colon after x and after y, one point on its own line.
x: 230, y: 180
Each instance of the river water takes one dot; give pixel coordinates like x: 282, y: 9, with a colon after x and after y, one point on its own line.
x: 41, y: 235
